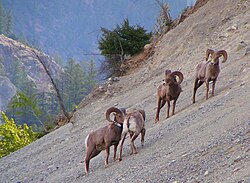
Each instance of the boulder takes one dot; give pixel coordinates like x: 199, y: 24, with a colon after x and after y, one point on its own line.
x: 7, y: 91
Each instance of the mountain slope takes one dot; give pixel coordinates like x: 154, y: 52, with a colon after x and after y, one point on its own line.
x: 204, y: 142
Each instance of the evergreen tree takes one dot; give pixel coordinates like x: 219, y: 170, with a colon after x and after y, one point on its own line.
x: 2, y: 69
x: 26, y: 108
x: 73, y: 84
x: 123, y: 40
x: 90, y: 78
x: 3, y: 19
x: 10, y: 25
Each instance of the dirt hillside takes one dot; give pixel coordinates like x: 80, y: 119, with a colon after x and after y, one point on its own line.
x: 204, y: 142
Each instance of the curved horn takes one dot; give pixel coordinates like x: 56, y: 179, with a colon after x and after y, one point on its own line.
x: 180, y: 76
x: 222, y: 53
x: 208, y: 52
x: 110, y: 110
x: 143, y: 114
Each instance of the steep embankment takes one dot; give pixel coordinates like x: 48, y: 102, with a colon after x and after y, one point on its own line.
x: 204, y: 142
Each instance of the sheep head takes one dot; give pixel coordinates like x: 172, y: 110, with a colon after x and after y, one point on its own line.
x: 170, y: 77
x: 119, y: 115
x: 216, y: 55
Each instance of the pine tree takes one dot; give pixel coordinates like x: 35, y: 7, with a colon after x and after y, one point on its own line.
x: 91, y: 74
x: 3, y: 19
x: 123, y: 40
x: 10, y: 25
x: 73, y: 84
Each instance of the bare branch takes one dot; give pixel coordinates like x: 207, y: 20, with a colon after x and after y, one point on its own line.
x: 54, y: 85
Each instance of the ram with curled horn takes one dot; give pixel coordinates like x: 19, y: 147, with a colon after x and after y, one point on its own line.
x: 105, y: 137
x: 134, y: 124
x: 208, y: 70
x: 169, y: 90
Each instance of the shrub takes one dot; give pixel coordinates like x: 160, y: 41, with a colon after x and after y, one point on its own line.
x: 123, y: 41
x: 13, y: 137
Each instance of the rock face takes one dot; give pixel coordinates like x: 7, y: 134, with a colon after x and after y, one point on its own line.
x: 12, y: 51
x: 7, y: 91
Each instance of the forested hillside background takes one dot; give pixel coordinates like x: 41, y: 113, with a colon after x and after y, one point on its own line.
x: 72, y: 28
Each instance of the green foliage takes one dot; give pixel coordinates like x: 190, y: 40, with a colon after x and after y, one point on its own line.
x: 90, y: 76
x: 25, y: 106
x: 6, y: 22
x: 77, y: 80
x: 10, y: 24
x: 72, y: 84
x: 40, y: 108
x: 13, y: 137
x: 123, y: 40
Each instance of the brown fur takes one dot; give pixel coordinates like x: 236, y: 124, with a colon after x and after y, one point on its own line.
x: 208, y: 71
x: 168, y: 91
x: 134, y: 124
x: 103, y: 138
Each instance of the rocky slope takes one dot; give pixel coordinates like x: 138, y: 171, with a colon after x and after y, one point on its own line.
x: 204, y: 142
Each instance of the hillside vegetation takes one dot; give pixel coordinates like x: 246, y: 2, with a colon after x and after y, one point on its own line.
x: 203, y: 142
x: 72, y: 28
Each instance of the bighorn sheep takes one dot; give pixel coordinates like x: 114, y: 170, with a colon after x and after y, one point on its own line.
x: 103, y: 138
x: 169, y: 90
x: 208, y: 71
x: 134, y: 124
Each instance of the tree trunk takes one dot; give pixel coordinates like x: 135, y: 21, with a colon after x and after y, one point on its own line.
x: 54, y: 85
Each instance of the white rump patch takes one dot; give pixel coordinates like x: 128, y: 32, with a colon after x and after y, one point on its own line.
x: 86, y: 140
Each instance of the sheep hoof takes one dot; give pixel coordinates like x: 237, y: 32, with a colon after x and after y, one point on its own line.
x: 120, y: 159
x: 106, y: 165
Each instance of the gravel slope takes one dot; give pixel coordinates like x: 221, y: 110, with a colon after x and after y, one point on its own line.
x: 204, y: 142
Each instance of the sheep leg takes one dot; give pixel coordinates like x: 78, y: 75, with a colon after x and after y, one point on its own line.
x: 143, y: 131
x: 90, y: 154
x: 121, y: 146
x: 195, y: 89
x: 163, y: 102
x: 197, y: 84
x: 207, y: 86
x: 131, y: 148
x: 107, y: 154
x: 213, y: 86
x: 168, y: 108
x: 132, y: 142
x: 158, y: 109
x: 115, y: 149
x: 173, y: 110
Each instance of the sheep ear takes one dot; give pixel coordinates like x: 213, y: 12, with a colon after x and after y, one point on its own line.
x: 224, y: 54
x: 180, y: 76
x: 167, y: 72
x: 208, y: 52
